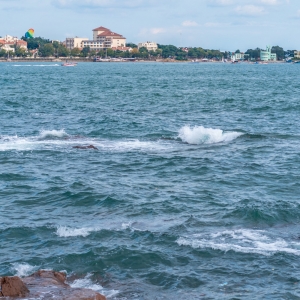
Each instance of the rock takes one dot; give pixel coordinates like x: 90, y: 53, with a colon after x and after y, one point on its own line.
x: 45, y: 284
x: 86, y: 147
x: 12, y: 287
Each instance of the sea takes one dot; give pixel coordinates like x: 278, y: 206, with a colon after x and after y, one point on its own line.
x: 192, y: 191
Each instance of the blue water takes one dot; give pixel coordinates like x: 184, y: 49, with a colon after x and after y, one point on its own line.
x: 193, y: 192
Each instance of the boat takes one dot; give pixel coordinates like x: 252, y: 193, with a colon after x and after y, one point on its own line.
x: 69, y: 64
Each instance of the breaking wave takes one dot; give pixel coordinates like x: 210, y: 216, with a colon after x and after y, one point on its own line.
x: 64, y: 231
x: 48, y: 134
x: 87, y: 283
x: 23, y: 269
x: 243, y: 241
x: 198, y: 135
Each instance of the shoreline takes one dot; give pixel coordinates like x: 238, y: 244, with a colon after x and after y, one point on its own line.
x: 44, y: 60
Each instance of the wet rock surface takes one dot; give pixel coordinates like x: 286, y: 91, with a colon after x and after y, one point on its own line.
x: 45, y: 285
x: 12, y: 287
x: 86, y: 147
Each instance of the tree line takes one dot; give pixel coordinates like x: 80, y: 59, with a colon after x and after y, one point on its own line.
x: 48, y: 48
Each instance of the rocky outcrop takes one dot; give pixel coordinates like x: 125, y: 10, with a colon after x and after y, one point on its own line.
x: 45, y: 285
x: 86, y: 147
x: 12, y: 287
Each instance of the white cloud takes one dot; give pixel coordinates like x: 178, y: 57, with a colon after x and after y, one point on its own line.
x: 250, y: 10
x: 298, y: 13
x: 220, y: 2
x: 103, y: 3
x: 189, y: 24
x: 270, y: 2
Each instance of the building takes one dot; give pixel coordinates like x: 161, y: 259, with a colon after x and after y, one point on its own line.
x: 107, y: 38
x: 150, y: 46
x: 297, y: 54
x: 9, y: 43
x: 103, y: 38
x: 9, y: 38
x: 122, y: 49
x: 267, y: 55
x: 75, y: 42
x: 237, y: 56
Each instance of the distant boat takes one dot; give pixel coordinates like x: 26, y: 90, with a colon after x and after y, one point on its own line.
x: 69, y: 64
x: 99, y: 59
x: 297, y: 62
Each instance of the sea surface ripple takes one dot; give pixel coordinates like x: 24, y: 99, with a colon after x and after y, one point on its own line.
x: 192, y: 192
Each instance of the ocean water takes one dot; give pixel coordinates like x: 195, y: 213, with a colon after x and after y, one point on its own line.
x: 193, y: 192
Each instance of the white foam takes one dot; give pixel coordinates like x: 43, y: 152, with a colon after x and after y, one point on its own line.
x: 54, y: 65
x: 242, y: 240
x: 200, y: 135
x: 64, y: 231
x: 53, y: 134
x: 23, y: 269
x: 132, y: 144
x: 88, y: 284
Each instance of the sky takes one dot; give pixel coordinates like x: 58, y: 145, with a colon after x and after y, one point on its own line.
x: 210, y: 24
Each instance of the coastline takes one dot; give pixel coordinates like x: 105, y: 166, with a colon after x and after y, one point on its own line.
x: 135, y: 61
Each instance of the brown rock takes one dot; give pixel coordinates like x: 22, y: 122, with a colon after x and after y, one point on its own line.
x: 86, y: 147
x: 13, y: 287
x: 49, y: 284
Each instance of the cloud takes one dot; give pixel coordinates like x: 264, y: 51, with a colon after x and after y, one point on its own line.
x: 270, y: 2
x: 250, y: 10
x: 220, y: 2
x: 103, y: 3
x: 298, y: 13
x: 189, y: 24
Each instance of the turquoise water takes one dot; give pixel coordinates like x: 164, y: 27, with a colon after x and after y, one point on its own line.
x: 193, y: 192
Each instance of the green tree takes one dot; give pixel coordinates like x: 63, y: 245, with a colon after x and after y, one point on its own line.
x: 85, y: 51
x: 62, y: 51
x: 34, y: 43
x: 110, y: 52
x: 46, y: 50
x: 132, y: 45
x: 253, y: 54
x: 279, y: 52
x: 75, y: 52
x: 20, y: 52
x: 2, y: 53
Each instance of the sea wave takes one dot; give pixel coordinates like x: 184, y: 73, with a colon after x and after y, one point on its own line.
x: 48, y: 134
x: 243, y: 241
x: 198, y: 135
x: 23, y: 269
x: 64, y: 231
x: 87, y: 283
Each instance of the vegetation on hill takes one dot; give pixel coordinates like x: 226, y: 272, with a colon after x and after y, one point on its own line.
x: 48, y: 48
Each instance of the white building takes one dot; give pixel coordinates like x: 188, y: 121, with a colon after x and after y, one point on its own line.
x: 297, y: 54
x: 266, y: 55
x: 9, y: 43
x: 75, y: 42
x: 9, y: 38
x: 150, y: 46
x: 103, y: 38
x: 237, y: 56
